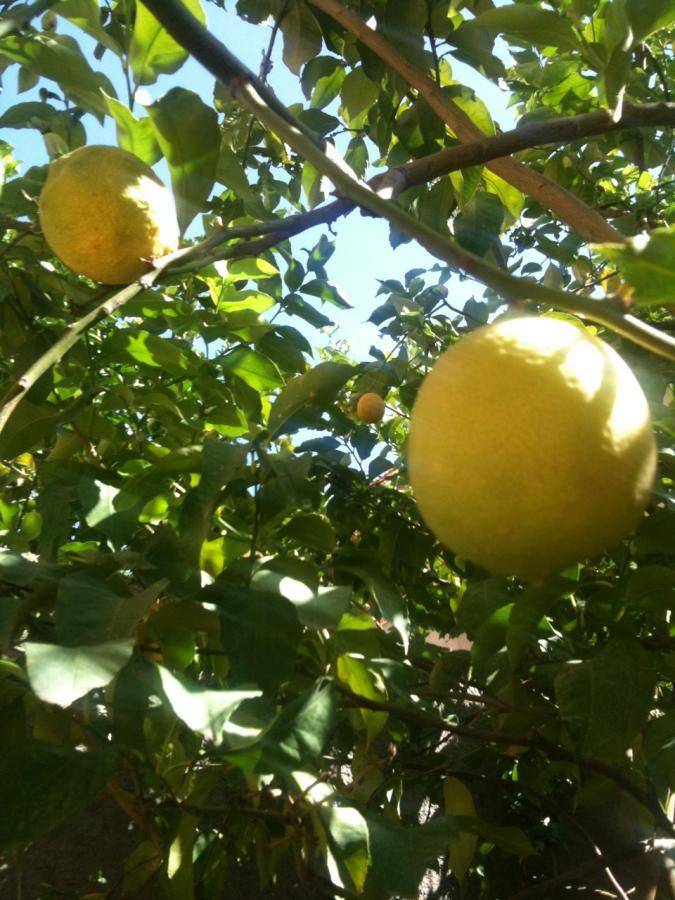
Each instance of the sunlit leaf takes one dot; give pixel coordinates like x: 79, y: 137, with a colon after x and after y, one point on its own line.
x: 252, y: 367
x: 135, y: 135
x: 187, y: 132
x: 204, y: 711
x: 63, y: 674
x: 153, y: 51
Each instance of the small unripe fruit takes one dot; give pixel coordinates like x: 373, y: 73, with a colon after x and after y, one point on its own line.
x: 370, y: 408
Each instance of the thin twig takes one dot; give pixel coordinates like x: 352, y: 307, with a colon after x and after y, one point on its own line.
x: 263, y: 72
x: 577, y: 872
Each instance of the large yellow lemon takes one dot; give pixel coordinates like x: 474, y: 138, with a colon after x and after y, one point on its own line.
x: 531, y: 447
x: 105, y: 214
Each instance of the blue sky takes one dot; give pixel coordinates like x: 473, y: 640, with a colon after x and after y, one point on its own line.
x: 363, y: 253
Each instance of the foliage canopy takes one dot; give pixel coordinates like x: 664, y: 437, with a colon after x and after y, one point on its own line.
x: 219, y: 607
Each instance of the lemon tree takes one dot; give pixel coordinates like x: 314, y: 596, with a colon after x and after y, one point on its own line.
x: 258, y: 638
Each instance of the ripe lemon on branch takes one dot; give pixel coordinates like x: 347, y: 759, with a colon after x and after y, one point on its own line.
x: 106, y: 214
x: 531, y: 447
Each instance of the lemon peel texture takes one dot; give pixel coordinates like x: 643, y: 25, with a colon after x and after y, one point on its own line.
x: 531, y: 447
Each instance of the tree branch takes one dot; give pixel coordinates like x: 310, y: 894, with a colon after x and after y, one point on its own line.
x: 573, y: 211
x: 580, y: 871
x: 420, y: 171
x: 532, y: 741
x: 535, y: 134
x: 74, y: 332
x: 6, y: 222
x: 16, y: 21
x: 205, y: 48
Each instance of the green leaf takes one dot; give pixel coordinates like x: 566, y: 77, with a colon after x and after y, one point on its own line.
x: 348, y: 842
x: 42, y: 786
x: 317, y: 607
x: 88, y: 611
x: 62, y: 675
x: 23, y: 572
x: 478, y: 225
x: 187, y: 132
x: 646, y: 18
x: 509, y: 838
x: 229, y: 300
x: 98, y: 501
x: 204, y: 711
x: 153, y: 51
x: 216, y: 555
x: 480, y: 600
x: 135, y: 135
x: 311, y: 530
x: 86, y: 14
x: 150, y: 350
x: 59, y: 58
x: 359, y: 680
x: 488, y: 640
x: 391, y: 603
x: 459, y: 802
x: 286, y: 347
x: 29, y: 115
x: 297, y: 736
x: 651, y: 587
x: 330, y: 74
x: 302, y: 36
x: 256, y: 370
x: 255, y: 268
x: 402, y: 855
x: 358, y: 94
x: 316, y: 388
x: 526, y: 617
x: 477, y: 111
x: 11, y: 609
x: 326, y: 291
x: 587, y: 693
x: 647, y: 262
x: 528, y: 26
x: 296, y: 306
x: 260, y: 633
x: 221, y: 462
x: 356, y: 156
x: 512, y: 199
x: 231, y: 173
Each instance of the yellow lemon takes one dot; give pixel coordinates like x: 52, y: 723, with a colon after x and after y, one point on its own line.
x: 531, y: 447
x: 370, y: 408
x: 105, y: 214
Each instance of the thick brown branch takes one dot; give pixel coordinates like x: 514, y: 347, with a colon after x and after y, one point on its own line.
x: 536, y: 134
x: 574, y: 212
x: 420, y: 171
